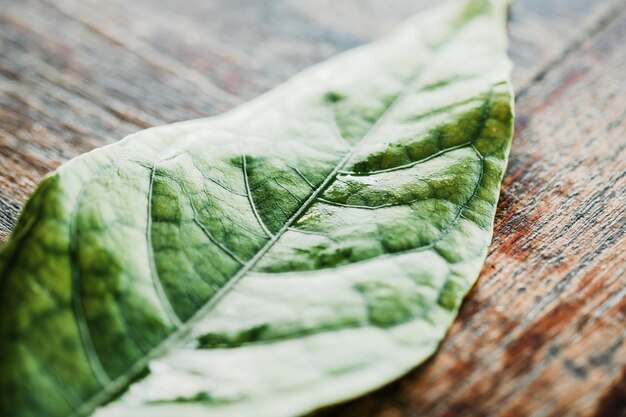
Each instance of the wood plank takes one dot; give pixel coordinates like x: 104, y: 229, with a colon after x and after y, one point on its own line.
x: 282, y: 37
x: 246, y: 47
x: 543, y: 332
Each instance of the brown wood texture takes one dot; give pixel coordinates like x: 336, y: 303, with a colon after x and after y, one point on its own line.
x: 542, y: 333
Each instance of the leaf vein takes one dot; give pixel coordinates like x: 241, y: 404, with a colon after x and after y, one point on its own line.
x: 154, y: 274
x: 246, y: 180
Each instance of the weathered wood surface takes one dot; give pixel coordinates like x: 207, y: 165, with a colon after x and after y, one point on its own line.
x: 542, y: 334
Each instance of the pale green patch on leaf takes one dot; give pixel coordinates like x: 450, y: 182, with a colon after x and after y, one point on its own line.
x: 298, y: 251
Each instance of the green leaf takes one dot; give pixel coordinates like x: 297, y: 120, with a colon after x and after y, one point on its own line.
x: 300, y: 250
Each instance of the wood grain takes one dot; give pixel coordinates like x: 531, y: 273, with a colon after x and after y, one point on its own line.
x: 542, y: 334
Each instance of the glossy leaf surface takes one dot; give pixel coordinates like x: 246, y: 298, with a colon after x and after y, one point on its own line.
x: 302, y: 249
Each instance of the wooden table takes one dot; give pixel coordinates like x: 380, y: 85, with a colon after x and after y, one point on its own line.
x: 543, y: 332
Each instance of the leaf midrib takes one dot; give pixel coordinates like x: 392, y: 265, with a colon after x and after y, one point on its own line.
x: 423, y: 248
x: 303, y: 208
x: 119, y: 383
x: 111, y: 390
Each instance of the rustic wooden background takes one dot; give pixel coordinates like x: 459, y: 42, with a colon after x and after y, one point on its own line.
x: 543, y: 332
